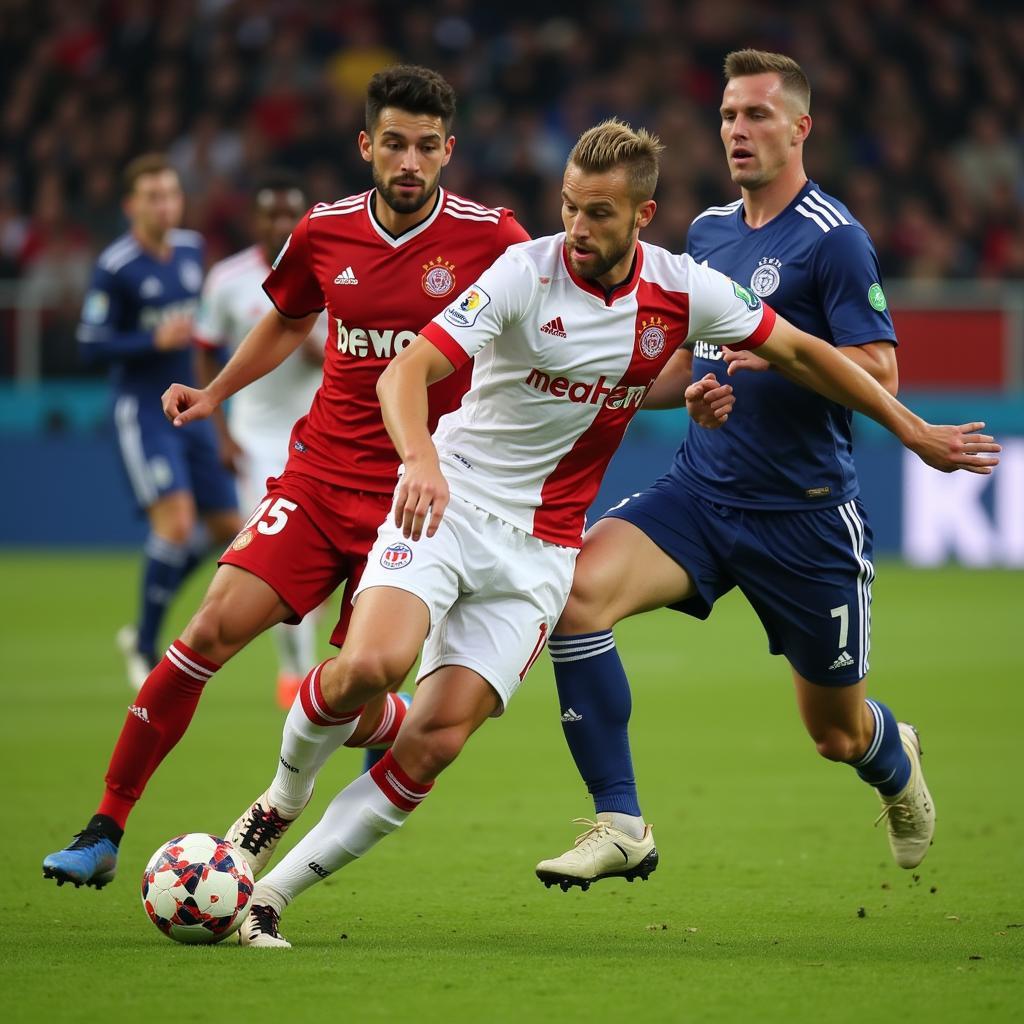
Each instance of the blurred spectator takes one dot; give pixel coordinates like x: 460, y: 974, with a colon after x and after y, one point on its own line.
x: 918, y: 110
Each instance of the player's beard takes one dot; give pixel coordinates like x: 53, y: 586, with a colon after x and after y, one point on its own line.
x: 388, y: 191
x: 603, y: 261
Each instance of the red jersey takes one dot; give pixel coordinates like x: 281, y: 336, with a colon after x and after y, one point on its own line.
x: 379, y: 291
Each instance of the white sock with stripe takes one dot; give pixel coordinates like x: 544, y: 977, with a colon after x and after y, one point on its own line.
x: 312, y: 732
x: 363, y: 813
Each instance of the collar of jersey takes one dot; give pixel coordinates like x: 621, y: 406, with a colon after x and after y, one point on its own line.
x: 607, y: 296
x: 741, y: 219
x: 396, y: 240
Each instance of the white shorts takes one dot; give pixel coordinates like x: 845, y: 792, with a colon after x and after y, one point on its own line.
x: 494, y: 592
x: 262, y: 460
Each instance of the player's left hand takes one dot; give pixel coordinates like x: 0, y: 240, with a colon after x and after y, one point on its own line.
x: 744, y: 360
x: 949, y: 448
x: 709, y: 403
x: 422, y: 491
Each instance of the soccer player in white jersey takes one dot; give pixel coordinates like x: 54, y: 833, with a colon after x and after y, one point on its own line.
x: 254, y: 435
x: 475, y: 564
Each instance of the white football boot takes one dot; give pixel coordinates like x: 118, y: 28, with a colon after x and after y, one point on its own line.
x: 258, y: 831
x: 259, y: 929
x: 910, y: 814
x: 603, y: 851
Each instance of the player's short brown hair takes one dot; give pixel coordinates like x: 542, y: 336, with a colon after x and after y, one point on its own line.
x: 741, y: 63
x: 414, y: 89
x: 613, y: 143
x: 147, y: 163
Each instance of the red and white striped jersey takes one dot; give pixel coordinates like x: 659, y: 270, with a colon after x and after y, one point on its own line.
x: 561, y: 368
x: 379, y: 290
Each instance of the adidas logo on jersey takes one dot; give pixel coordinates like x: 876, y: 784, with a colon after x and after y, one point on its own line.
x: 571, y: 716
x: 140, y: 713
x: 555, y: 327
x: 843, y: 661
x: 346, y: 277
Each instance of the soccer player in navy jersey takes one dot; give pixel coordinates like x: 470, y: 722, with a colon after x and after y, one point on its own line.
x: 137, y: 318
x: 768, y: 502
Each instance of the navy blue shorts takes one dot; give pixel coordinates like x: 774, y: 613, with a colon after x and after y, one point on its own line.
x: 807, y: 574
x: 160, y: 458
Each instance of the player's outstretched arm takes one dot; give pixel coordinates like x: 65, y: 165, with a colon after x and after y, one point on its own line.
x: 402, y: 390
x: 265, y: 347
x: 819, y: 366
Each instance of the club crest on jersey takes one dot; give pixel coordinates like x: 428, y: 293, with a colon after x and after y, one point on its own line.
x: 652, y: 337
x: 766, y: 277
x: 467, y: 307
x: 396, y: 556
x: 438, y: 278
x: 242, y: 541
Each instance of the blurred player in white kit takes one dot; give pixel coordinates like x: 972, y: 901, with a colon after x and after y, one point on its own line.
x: 254, y: 434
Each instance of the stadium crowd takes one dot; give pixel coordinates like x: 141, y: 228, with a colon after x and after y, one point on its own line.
x: 917, y: 107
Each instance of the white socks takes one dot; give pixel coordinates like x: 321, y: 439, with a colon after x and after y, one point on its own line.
x: 312, y: 732
x: 357, y: 818
x: 633, y: 826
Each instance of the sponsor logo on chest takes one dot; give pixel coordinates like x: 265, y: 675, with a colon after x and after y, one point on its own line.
x: 581, y: 392
x: 372, y: 342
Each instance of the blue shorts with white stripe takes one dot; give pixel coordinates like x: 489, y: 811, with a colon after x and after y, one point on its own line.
x: 159, y: 458
x: 807, y: 574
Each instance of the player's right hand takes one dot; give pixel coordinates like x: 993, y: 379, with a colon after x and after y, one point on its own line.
x: 173, y: 333
x: 948, y: 448
x: 422, y: 491
x: 183, y: 404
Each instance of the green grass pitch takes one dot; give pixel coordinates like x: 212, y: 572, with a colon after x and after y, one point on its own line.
x: 775, y: 900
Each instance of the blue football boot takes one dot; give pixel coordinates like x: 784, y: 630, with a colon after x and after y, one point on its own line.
x: 90, y: 860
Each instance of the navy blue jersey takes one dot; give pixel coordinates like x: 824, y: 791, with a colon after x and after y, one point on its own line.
x: 785, y: 447
x: 131, y: 293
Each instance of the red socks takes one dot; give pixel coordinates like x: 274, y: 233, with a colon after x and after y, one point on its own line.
x: 156, y: 721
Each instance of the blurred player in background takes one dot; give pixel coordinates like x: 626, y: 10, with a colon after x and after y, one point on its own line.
x: 138, y: 317
x: 382, y: 263
x: 569, y: 333
x: 767, y: 503
x: 254, y: 435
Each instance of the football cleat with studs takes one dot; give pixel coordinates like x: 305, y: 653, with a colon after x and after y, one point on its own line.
x: 603, y: 851
x: 90, y: 860
x: 910, y: 814
x: 260, y: 928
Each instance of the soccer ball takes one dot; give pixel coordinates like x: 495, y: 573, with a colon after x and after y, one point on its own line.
x: 197, y: 888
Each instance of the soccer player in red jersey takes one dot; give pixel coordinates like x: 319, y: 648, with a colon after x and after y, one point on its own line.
x: 382, y: 263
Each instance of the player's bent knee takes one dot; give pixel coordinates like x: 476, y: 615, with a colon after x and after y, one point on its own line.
x: 587, y: 610
x: 217, y: 632
x: 361, y: 674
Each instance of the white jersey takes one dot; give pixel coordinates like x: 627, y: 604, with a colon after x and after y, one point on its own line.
x: 560, y: 369
x: 233, y: 301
